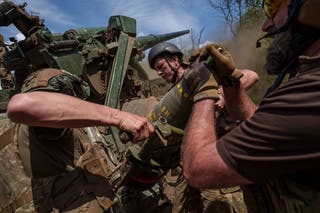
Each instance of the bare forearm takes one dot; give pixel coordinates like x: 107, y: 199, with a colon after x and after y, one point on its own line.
x: 59, y: 111
x: 202, y: 165
x: 200, y: 128
x: 199, y: 134
x: 238, y: 103
x: 249, y: 78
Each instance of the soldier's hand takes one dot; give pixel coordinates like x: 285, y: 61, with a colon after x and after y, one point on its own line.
x: 138, y: 126
x: 220, y: 103
x: 201, y: 83
x: 221, y: 63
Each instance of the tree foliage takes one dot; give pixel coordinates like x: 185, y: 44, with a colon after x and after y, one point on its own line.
x: 238, y: 13
x: 243, y: 19
x: 196, y: 37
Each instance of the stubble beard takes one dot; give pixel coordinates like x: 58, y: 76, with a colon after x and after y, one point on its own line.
x: 288, y: 46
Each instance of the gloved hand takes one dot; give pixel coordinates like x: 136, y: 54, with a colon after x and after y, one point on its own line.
x: 220, y: 63
x: 201, y: 83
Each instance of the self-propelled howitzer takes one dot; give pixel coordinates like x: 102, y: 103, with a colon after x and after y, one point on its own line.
x: 86, y: 52
x: 104, y: 57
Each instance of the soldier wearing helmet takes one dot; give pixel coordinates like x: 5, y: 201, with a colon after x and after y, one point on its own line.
x: 166, y: 59
x: 274, y: 153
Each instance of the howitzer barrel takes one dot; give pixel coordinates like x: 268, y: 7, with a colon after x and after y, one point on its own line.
x: 145, y: 42
x: 56, y: 45
x: 13, y: 13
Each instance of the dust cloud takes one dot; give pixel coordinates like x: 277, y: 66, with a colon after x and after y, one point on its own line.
x: 244, y: 51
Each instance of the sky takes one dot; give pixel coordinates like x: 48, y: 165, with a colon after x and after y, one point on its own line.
x: 153, y: 16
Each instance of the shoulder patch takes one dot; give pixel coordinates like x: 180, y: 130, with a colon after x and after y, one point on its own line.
x: 39, y: 78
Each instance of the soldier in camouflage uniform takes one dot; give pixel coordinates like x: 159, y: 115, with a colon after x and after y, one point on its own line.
x: 166, y: 59
x: 56, y: 166
x: 7, y: 80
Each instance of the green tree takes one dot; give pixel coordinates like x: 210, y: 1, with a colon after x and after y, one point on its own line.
x: 244, y: 19
x: 238, y: 13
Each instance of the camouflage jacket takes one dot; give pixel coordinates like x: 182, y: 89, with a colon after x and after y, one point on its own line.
x: 55, y: 165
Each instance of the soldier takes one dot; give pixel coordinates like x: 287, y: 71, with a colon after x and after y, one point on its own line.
x: 275, y: 150
x: 7, y: 80
x: 166, y: 59
x: 54, y: 148
x: 57, y: 166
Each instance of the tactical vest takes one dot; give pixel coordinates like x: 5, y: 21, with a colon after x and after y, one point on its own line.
x: 86, y: 186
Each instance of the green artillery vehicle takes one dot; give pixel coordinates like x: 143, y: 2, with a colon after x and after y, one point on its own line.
x: 107, y: 58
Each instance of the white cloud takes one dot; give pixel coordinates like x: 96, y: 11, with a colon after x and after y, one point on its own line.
x: 152, y: 16
x: 155, y: 16
x: 9, y: 31
x: 20, y: 36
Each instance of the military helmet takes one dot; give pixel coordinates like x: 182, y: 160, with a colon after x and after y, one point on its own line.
x: 162, y: 48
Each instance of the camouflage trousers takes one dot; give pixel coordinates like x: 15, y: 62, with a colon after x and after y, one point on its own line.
x: 7, y: 80
x: 189, y: 199
x: 148, y: 201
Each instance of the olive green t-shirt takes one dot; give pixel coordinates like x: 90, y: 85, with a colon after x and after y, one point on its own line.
x: 282, y: 139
